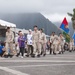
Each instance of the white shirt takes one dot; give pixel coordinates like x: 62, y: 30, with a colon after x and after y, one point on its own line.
x: 29, y: 39
x: 16, y: 39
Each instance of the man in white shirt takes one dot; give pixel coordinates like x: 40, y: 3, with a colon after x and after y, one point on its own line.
x: 29, y: 43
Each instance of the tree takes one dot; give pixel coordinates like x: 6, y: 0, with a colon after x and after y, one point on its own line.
x: 72, y: 18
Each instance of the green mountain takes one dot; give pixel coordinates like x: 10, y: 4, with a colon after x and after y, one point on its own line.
x: 28, y: 20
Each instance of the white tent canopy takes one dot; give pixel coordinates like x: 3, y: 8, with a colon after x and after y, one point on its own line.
x: 6, y: 24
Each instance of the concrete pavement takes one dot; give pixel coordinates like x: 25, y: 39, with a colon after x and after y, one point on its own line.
x: 63, y: 64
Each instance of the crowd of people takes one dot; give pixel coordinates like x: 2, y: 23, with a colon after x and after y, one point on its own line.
x: 35, y: 44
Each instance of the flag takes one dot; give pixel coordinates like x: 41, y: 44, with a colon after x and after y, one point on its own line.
x: 64, y: 26
x: 73, y: 36
x: 67, y: 37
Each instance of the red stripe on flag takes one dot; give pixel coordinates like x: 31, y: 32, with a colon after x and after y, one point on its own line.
x: 65, y: 21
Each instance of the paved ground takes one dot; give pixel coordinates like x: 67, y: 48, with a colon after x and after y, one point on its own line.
x: 49, y: 65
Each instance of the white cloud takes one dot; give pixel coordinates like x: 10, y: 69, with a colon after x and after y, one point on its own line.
x: 57, y: 17
x: 55, y: 10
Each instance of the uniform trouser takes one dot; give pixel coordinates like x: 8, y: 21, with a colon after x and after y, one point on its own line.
x: 43, y: 48
x: 61, y: 48
x: 37, y: 48
x: 71, y: 47
x: 54, y: 48
x: 9, y: 46
x: 30, y: 47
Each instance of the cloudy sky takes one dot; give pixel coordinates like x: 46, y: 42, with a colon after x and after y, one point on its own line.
x: 54, y: 10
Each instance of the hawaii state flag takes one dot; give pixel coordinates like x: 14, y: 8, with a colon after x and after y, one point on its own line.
x: 64, y: 25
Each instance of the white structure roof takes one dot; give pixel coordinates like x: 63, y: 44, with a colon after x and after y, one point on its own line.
x: 6, y: 24
x: 18, y: 29
x: 23, y: 30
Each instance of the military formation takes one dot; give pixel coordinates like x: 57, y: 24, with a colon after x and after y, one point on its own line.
x: 35, y: 44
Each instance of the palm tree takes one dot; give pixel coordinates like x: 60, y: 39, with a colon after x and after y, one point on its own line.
x: 72, y: 18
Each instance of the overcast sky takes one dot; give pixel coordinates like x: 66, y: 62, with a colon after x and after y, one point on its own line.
x: 54, y: 10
